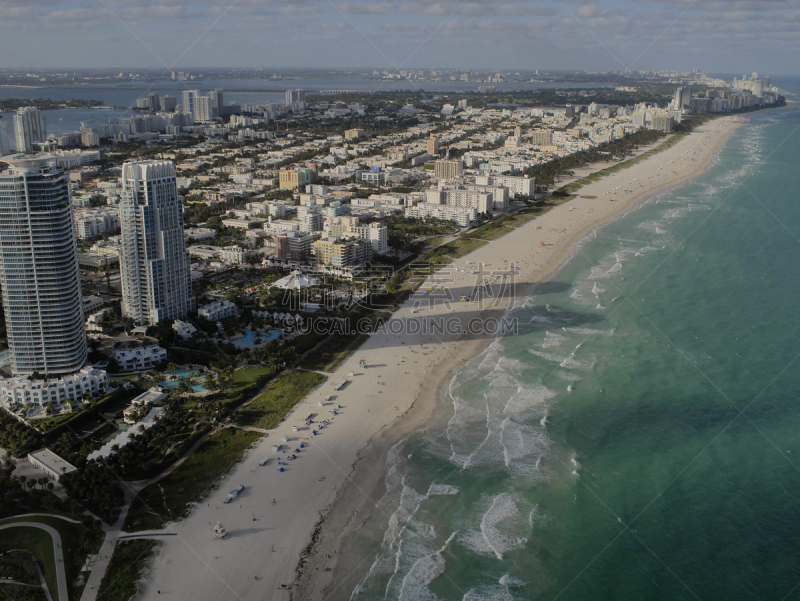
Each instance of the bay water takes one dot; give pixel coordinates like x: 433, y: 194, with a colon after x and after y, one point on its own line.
x: 639, y: 437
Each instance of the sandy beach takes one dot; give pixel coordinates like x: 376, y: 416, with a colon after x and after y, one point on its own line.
x: 336, y: 479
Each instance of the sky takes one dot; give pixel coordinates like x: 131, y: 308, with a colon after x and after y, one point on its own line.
x: 733, y: 36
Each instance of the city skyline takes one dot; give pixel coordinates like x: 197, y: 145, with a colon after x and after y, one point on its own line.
x: 616, y: 35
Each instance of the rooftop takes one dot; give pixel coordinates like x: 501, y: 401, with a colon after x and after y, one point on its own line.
x: 52, y: 461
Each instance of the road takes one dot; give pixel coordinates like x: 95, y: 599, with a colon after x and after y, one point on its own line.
x: 61, y: 575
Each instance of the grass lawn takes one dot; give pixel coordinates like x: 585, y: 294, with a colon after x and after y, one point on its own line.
x: 248, y: 375
x: 125, y: 569
x: 272, y: 406
x: 169, y: 498
x: 40, y: 543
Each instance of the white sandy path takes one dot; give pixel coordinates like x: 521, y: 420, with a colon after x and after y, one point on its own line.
x: 193, y: 566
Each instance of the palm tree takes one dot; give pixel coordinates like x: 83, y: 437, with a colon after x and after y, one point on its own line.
x: 210, y: 382
x: 172, y: 368
x: 184, y: 386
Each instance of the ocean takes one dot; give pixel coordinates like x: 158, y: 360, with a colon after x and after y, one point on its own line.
x: 639, y: 437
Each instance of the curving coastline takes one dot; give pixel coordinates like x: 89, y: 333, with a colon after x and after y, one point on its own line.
x: 331, y: 564
x: 338, y: 478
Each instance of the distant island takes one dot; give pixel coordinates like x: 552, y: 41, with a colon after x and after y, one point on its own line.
x: 44, y: 104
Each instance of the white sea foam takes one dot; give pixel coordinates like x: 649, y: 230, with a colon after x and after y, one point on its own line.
x: 552, y: 339
x: 541, y: 319
x: 499, y: 527
x: 568, y: 362
x: 588, y: 332
x: 424, y: 570
x: 508, y: 580
x: 548, y: 356
x: 488, y: 593
x: 442, y: 489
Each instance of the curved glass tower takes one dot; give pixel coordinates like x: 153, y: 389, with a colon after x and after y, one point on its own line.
x: 39, y: 269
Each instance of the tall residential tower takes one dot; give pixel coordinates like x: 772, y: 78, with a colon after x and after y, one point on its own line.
x: 29, y: 128
x: 39, y: 269
x: 154, y: 264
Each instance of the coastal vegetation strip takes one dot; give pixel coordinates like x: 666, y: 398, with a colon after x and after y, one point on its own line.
x: 125, y: 569
x: 170, y: 498
x: 272, y: 406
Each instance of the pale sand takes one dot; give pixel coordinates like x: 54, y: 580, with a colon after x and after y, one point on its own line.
x: 394, y: 395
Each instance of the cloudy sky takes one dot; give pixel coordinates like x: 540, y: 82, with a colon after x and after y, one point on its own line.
x: 737, y: 36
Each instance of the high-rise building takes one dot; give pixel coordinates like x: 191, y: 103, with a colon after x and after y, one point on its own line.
x: 293, y: 96
x: 447, y: 169
x: 188, y: 100
x: 154, y: 264
x: 203, y: 111
x: 39, y: 269
x: 29, y: 128
x: 433, y: 144
x: 167, y: 104
x: 4, y: 146
x: 153, y: 101
x: 216, y: 102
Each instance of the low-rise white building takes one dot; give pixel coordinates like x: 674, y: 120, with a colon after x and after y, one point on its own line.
x: 217, y: 310
x: 463, y: 216
x: 50, y: 463
x: 144, y: 400
x: 138, y: 353
x: 183, y: 328
x: 19, y: 390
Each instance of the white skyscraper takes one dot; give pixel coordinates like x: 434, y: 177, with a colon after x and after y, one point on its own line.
x: 188, y: 100
x: 293, y: 96
x: 203, y: 110
x: 39, y: 269
x: 154, y: 265
x: 29, y: 127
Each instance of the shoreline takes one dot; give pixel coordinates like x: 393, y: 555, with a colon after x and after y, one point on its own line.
x: 342, y: 518
x: 336, y: 479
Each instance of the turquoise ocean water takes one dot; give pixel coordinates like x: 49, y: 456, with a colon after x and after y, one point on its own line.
x: 639, y: 438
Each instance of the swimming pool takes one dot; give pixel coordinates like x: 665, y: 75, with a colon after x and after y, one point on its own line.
x: 197, y: 387
x: 247, y: 342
